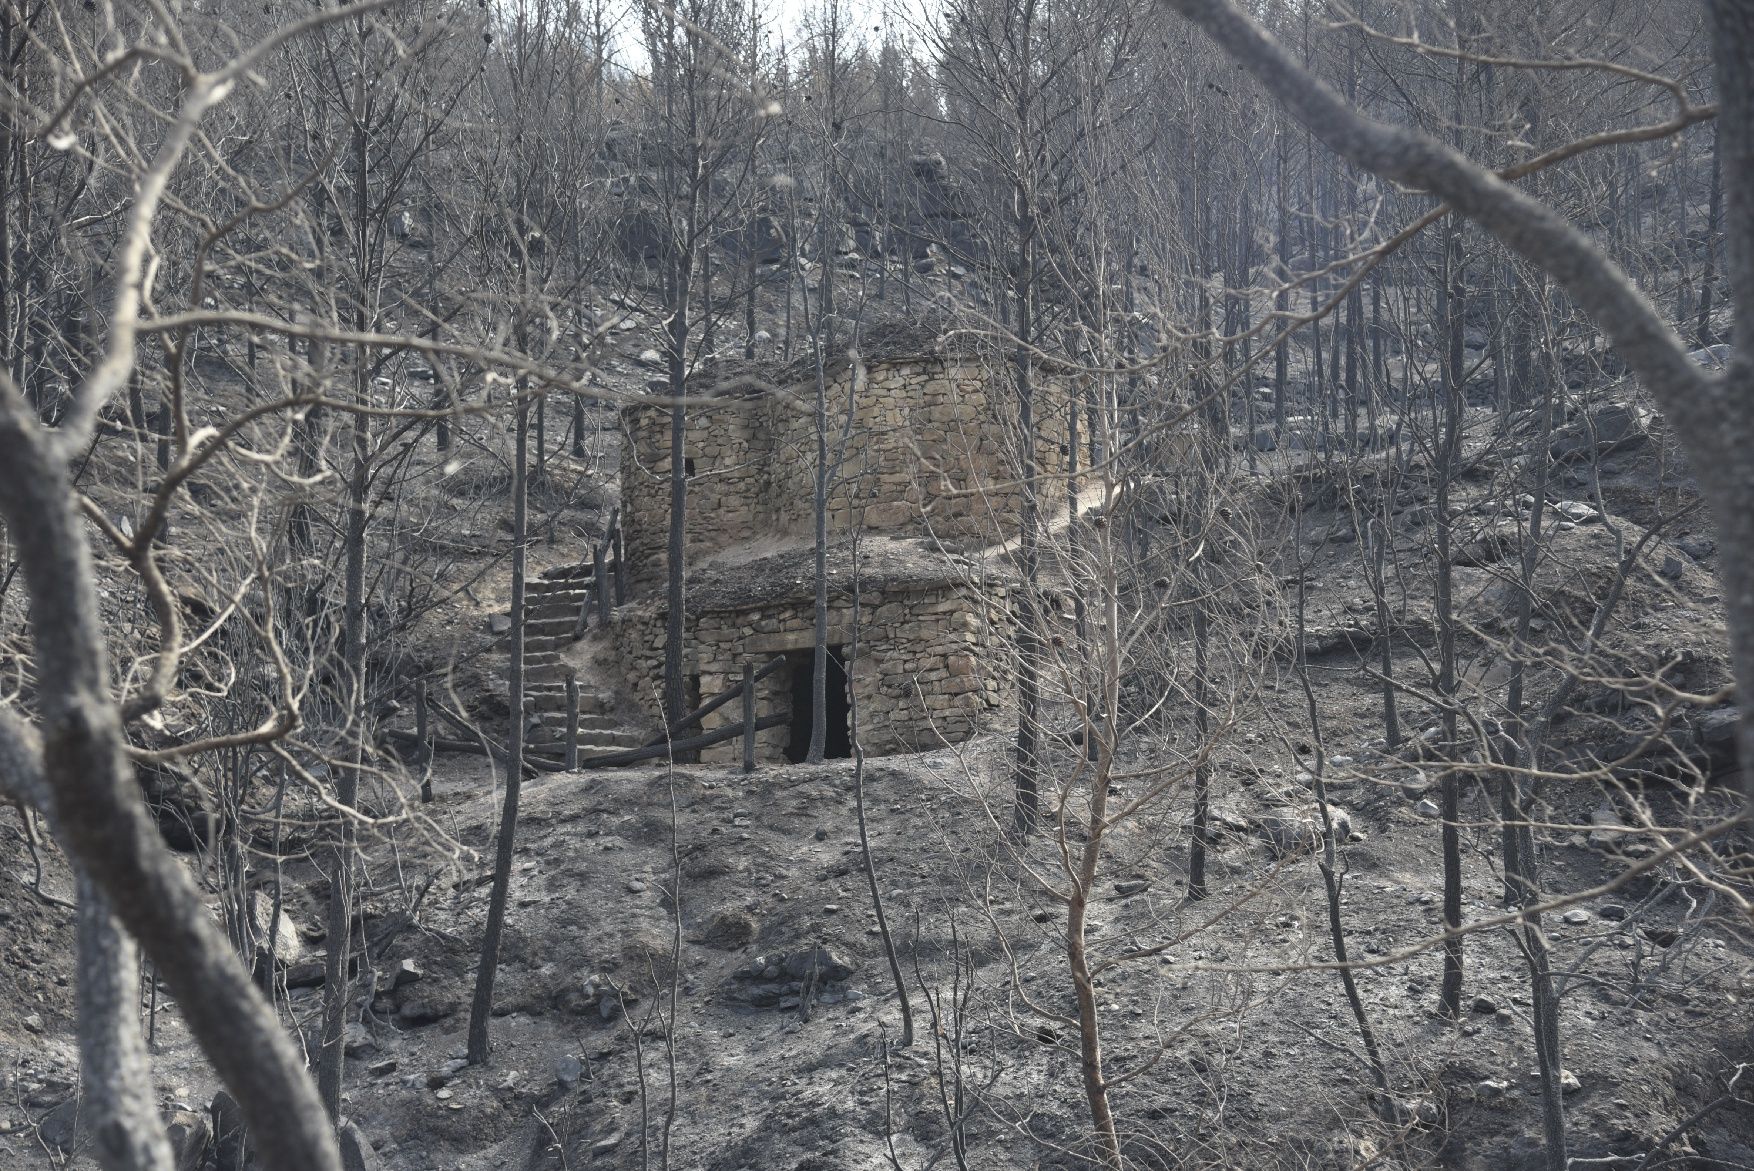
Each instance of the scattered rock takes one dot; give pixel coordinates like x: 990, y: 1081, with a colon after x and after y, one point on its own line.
x: 568, y: 1070
x: 405, y: 972
x: 1662, y: 936
x: 1607, y: 428
x: 420, y: 1011
x: 635, y: 886
x: 1713, y: 357
x: 819, y: 963
x: 499, y: 624
x: 729, y: 930
x: 1576, y: 511
x: 1670, y: 568
x: 1577, y: 917
x: 309, y: 974
x: 356, y: 1041
x: 33, y: 1023
x: 1427, y: 808
x: 1289, y: 828
x: 1716, y: 730
x: 276, y: 931
x: 1484, y: 1005
x: 1696, y: 547
x: 59, y: 1128
x: 1491, y: 1088
x: 1608, y: 832
x: 1568, y: 1082
x: 1131, y: 887
x: 1612, y: 912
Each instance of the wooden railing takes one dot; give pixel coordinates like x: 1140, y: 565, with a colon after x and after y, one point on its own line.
x: 425, y: 744
x: 667, y: 744
x: 608, y: 577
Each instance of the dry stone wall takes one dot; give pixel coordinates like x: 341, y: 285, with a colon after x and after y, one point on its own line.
x: 933, y: 447
x: 930, y: 668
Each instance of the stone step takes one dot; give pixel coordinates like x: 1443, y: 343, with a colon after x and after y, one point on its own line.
x: 597, y: 741
x: 592, y: 707
x: 573, y: 598
x: 550, y: 585
x: 545, y: 672
x: 566, y: 573
x: 550, y: 643
x: 588, y: 721
x: 549, y: 624
x: 553, y: 608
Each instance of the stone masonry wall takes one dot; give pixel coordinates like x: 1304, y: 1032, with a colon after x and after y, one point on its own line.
x: 927, y: 672
x: 731, y: 444
x: 930, y: 450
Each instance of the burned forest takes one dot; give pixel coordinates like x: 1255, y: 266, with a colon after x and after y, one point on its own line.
x: 1142, y: 585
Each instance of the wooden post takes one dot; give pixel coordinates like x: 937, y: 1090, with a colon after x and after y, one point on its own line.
x: 620, y: 551
x: 572, y: 722
x: 600, y: 567
x: 422, y: 733
x: 748, y: 717
x: 584, y: 619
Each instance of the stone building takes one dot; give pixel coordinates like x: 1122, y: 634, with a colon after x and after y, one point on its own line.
x: 919, y: 656
x: 928, y: 457
x: 931, y: 448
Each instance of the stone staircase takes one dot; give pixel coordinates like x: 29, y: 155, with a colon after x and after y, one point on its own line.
x: 551, y: 613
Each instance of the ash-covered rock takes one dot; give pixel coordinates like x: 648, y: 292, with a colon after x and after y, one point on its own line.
x: 784, y: 980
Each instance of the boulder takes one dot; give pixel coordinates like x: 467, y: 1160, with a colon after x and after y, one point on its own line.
x: 1599, y: 431
x: 230, y: 1141
x: 1714, y: 357
x: 309, y: 974
x: 405, y: 972
x: 286, y: 939
x: 729, y: 930
x: 356, y: 1040
x: 422, y: 1011
x: 356, y: 1152
x: 189, y: 1137
x: 826, y: 966
x: 59, y: 1128
x: 1695, y: 546
x: 1290, y: 828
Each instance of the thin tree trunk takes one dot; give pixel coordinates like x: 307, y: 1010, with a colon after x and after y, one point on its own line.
x: 481, y: 1007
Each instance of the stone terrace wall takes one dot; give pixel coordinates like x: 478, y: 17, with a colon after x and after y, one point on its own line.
x: 930, y: 668
x: 930, y: 450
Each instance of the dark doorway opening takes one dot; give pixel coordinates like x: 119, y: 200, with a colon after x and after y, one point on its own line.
x: 838, y: 743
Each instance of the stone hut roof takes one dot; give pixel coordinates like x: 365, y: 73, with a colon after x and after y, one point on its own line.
x: 734, y: 580
x: 880, y: 343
